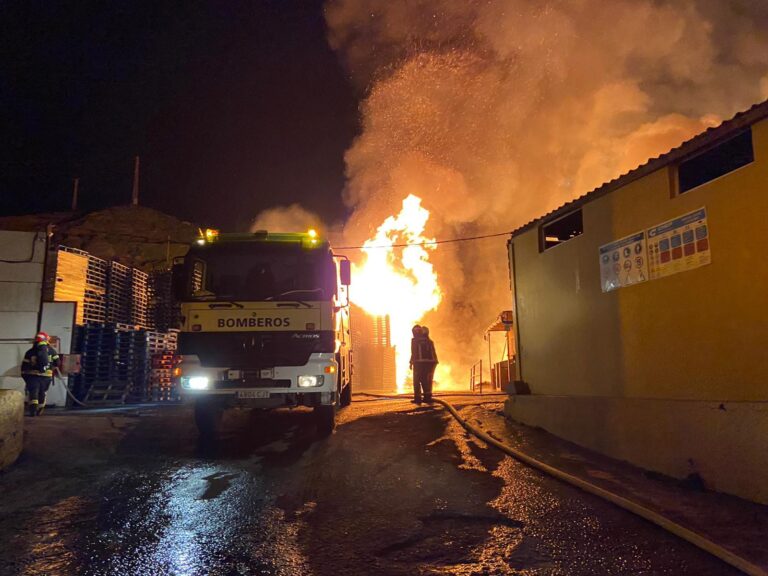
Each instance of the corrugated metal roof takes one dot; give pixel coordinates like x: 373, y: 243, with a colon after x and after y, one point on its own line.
x: 688, y: 148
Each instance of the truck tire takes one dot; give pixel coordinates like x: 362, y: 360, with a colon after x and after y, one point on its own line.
x: 208, y: 417
x: 345, y: 398
x: 325, y: 419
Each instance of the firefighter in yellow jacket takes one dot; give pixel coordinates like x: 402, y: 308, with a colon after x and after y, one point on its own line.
x: 423, y: 362
x: 37, y: 371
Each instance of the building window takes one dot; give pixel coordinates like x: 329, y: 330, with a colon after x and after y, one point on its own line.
x: 716, y: 162
x: 561, y: 230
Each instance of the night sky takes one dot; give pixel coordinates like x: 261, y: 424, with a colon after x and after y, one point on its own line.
x: 233, y: 107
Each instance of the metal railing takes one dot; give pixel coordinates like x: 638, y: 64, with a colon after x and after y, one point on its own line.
x: 476, y: 377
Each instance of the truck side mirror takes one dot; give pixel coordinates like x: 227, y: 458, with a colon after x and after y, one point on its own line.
x: 178, y: 281
x: 345, y: 272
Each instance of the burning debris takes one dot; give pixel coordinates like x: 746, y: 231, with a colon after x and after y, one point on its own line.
x: 374, y: 355
x: 399, y: 283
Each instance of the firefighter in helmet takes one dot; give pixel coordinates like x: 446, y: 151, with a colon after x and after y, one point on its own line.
x: 423, y: 362
x: 37, y: 371
x: 433, y: 364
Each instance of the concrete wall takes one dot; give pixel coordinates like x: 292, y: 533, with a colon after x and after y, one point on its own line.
x: 11, y: 426
x: 22, y: 256
x: 723, y: 442
x: 699, y: 336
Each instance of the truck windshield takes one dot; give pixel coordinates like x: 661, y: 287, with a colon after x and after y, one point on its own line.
x: 257, y: 271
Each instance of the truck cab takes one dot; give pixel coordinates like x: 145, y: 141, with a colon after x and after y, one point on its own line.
x: 264, y: 323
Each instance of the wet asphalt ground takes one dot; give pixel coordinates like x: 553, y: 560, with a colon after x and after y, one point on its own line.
x: 396, y: 490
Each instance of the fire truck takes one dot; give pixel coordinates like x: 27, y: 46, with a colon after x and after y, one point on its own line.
x: 264, y: 323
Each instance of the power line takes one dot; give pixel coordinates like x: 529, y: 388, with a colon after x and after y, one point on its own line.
x: 431, y: 243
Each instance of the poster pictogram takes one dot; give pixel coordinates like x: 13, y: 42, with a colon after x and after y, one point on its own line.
x: 678, y: 245
x: 623, y: 262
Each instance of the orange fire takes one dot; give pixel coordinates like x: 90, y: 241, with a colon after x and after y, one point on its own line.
x: 399, y: 282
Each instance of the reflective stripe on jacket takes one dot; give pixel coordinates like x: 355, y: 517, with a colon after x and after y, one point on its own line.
x: 423, y: 351
x: 40, y: 361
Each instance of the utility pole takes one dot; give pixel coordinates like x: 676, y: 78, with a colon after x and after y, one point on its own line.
x: 135, y: 195
x: 75, y: 188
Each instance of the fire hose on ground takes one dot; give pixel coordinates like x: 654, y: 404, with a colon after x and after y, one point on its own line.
x: 654, y: 517
x: 69, y: 392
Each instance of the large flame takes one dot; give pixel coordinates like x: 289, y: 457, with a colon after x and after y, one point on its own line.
x: 399, y: 282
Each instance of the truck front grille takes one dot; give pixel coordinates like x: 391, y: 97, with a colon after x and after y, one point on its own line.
x: 255, y: 350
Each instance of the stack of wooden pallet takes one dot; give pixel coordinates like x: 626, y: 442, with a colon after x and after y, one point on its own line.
x: 69, y: 278
x: 95, y: 305
x: 162, y: 310
x: 139, y: 302
x: 119, y: 290
x: 161, y: 382
x: 105, y: 376
x: 123, y: 359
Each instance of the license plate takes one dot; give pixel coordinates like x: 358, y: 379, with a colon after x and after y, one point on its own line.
x: 246, y: 394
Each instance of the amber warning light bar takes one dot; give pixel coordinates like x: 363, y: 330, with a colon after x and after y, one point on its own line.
x: 209, y: 235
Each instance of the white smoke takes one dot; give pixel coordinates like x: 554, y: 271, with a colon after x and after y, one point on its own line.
x: 293, y: 218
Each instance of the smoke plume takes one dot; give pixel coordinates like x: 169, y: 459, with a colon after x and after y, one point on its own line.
x: 497, y: 111
x: 291, y: 218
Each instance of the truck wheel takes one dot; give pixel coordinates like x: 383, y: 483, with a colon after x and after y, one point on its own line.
x: 325, y: 419
x: 345, y: 399
x: 208, y: 419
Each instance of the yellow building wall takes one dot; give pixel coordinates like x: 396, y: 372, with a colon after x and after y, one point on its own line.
x: 697, y: 335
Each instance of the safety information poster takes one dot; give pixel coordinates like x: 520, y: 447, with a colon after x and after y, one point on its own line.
x: 623, y: 262
x: 678, y: 245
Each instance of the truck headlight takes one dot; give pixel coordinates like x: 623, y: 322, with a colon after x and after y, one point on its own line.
x: 199, y: 383
x: 310, y: 381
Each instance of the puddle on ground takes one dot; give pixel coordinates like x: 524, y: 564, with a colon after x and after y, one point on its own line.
x: 455, y: 433
x: 217, y: 484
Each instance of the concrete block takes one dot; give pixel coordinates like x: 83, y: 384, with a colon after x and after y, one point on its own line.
x: 17, y: 326
x: 22, y: 247
x: 20, y: 296
x: 26, y: 273
x: 11, y: 426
